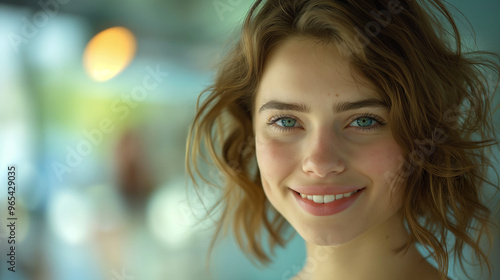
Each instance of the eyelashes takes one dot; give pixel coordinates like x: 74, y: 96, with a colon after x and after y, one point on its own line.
x: 370, y: 119
x: 363, y: 122
x: 288, y: 122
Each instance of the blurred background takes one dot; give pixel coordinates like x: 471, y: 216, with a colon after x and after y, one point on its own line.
x: 95, y: 102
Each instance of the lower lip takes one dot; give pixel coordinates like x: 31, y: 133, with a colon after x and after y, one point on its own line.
x: 326, y: 209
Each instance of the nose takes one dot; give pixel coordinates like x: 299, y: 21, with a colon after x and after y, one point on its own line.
x: 323, y: 154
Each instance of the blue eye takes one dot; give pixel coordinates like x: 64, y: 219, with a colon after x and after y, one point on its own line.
x: 287, y: 122
x: 284, y: 123
x: 366, y: 122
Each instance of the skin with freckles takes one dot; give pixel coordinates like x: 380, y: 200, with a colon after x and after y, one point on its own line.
x: 307, y: 134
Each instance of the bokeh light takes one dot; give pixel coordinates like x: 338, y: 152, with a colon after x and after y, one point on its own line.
x: 169, y: 217
x: 109, y: 52
x: 70, y: 216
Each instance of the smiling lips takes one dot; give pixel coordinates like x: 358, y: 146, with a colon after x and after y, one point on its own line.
x: 327, y: 198
x: 326, y: 201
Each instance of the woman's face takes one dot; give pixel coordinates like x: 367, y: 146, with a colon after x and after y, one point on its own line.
x: 320, y: 134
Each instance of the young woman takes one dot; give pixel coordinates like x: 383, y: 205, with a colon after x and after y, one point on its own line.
x: 361, y: 124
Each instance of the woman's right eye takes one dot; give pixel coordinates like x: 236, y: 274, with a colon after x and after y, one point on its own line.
x: 283, y: 123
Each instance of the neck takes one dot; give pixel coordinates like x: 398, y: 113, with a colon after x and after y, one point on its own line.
x: 377, y: 254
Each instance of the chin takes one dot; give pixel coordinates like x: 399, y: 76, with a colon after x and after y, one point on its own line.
x: 327, y: 236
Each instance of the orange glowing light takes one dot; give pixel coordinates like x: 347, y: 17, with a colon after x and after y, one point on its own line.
x: 109, y: 52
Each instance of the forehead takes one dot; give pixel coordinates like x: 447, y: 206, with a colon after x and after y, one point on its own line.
x: 301, y: 66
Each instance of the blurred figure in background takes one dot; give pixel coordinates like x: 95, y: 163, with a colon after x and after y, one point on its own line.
x: 134, y: 173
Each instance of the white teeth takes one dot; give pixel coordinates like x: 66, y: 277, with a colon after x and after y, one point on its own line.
x: 318, y: 198
x: 327, y: 198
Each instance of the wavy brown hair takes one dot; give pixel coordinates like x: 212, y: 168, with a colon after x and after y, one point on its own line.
x: 441, y: 115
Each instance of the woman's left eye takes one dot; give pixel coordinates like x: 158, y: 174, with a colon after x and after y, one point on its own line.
x: 366, y: 122
x: 286, y: 122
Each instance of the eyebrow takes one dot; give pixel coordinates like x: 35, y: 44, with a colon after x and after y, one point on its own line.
x: 365, y: 103
x: 278, y: 105
x: 339, y: 108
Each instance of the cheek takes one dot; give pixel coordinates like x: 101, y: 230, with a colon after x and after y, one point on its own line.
x: 382, y: 162
x: 383, y: 157
x: 275, y: 160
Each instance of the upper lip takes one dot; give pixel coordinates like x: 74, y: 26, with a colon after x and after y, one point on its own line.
x: 325, y: 189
